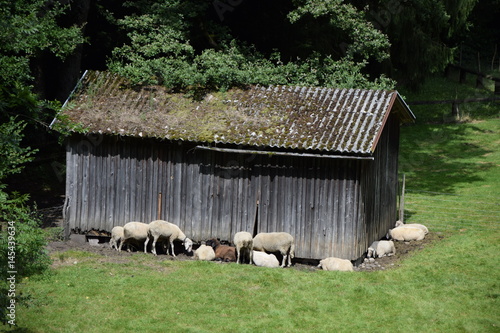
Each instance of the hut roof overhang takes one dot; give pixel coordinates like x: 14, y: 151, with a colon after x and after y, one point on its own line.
x: 310, y: 119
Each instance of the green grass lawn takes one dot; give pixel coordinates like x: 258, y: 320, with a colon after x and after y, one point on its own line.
x: 453, y: 181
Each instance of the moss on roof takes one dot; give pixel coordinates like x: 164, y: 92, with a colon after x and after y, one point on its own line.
x: 340, y: 120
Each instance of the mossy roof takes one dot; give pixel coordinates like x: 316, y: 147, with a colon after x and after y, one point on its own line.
x: 347, y: 121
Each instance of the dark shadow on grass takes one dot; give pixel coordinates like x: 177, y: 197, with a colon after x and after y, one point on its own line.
x: 436, y: 158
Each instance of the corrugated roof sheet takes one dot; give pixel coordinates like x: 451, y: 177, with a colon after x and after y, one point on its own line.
x: 305, y: 118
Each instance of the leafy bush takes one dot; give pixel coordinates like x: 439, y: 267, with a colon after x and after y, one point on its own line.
x: 22, y: 240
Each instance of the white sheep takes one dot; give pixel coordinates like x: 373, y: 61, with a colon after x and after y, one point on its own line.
x: 263, y: 259
x: 116, y: 237
x: 163, y: 229
x: 276, y: 242
x: 243, y: 242
x: 204, y: 252
x: 381, y: 249
x: 400, y: 224
x: 135, y: 232
x: 406, y: 234
x: 336, y: 264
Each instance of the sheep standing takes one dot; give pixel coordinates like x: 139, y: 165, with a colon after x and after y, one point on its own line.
x: 223, y: 252
x: 135, y: 232
x: 116, y: 237
x: 406, y: 234
x: 163, y: 229
x: 263, y: 259
x: 400, y: 224
x: 276, y: 242
x: 244, y: 246
x: 204, y: 252
x: 336, y: 264
x: 381, y: 249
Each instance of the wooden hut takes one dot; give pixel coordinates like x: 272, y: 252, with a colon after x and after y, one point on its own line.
x: 319, y: 163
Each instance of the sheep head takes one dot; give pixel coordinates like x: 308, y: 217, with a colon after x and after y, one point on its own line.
x: 188, y: 245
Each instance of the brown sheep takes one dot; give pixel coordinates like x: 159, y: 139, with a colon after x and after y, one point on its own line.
x: 222, y: 252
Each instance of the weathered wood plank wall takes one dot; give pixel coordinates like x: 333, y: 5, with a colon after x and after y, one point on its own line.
x: 333, y: 207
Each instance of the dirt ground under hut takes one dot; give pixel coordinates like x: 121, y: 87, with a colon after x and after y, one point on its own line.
x: 79, y: 243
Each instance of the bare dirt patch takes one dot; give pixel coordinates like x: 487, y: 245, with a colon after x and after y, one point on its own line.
x: 59, y: 252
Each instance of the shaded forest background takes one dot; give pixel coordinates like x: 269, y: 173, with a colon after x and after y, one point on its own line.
x: 201, y: 45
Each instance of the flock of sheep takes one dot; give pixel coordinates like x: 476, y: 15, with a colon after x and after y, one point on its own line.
x: 247, y: 249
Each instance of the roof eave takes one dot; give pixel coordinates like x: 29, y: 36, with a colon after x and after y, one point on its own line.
x: 397, y: 106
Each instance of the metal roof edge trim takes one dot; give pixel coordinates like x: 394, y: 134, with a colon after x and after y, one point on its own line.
x: 406, y: 106
x: 282, y: 153
x: 395, y: 97
x: 68, y: 98
x: 382, y: 126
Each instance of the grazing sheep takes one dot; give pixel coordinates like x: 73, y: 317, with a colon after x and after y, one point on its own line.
x: 336, y: 264
x: 135, y: 232
x: 244, y: 247
x: 372, y: 250
x: 400, y: 224
x: 381, y: 249
x: 263, y: 259
x: 406, y: 234
x: 276, y: 242
x: 116, y: 237
x: 204, y: 252
x: 163, y: 229
x: 223, y: 252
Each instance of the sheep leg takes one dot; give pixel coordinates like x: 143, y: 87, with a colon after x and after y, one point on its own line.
x: 153, y: 245
x: 146, y: 245
x: 172, y: 248
x: 121, y: 244
x: 238, y: 254
x: 283, y: 260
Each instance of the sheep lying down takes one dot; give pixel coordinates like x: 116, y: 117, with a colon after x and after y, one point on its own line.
x: 336, y: 264
x: 263, y: 259
x: 204, y: 252
x: 225, y: 253
x: 406, y: 234
x: 400, y: 224
x: 381, y: 249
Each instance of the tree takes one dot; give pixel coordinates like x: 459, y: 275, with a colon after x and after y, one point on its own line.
x: 29, y: 31
x: 424, y: 34
x: 195, y: 45
x: 22, y: 241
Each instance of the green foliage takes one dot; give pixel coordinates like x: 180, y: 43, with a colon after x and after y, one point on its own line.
x: 160, y: 51
x: 12, y: 155
x: 27, y: 28
x: 21, y: 240
x: 30, y: 256
x: 363, y: 40
x: 424, y: 34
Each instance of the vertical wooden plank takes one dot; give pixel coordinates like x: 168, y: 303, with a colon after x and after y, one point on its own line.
x: 71, y: 174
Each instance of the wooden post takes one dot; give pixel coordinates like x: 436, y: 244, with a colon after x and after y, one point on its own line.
x: 402, y: 201
x: 159, y: 207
